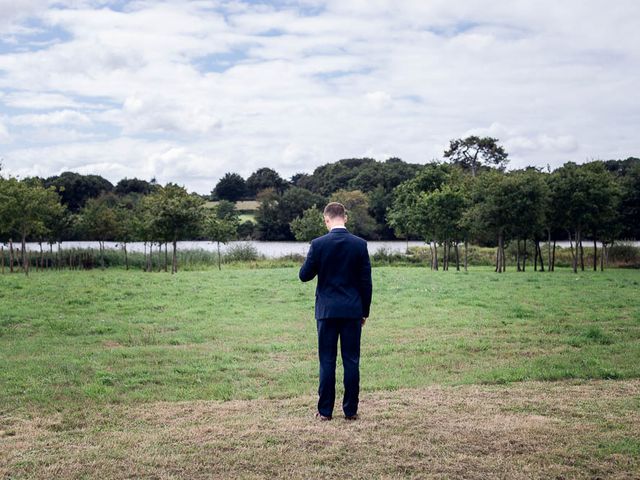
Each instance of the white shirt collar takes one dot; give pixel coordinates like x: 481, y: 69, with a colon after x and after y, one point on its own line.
x: 338, y: 226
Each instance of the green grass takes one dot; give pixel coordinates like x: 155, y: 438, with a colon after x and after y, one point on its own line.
x: 93, y: 337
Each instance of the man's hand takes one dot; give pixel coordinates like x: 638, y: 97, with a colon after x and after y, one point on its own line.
x: 364, y: 320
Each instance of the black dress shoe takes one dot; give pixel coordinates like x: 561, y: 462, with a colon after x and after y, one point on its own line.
x: 351, y: 417
x: 322, y: 418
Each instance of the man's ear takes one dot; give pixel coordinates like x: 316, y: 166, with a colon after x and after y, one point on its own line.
x: 345, y: 218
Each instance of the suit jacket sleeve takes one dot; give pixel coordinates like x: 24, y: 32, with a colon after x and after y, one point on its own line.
x: 310, y: 267
x: 366, y: 287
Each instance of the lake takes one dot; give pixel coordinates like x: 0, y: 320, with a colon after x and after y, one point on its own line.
x: 269, y: 249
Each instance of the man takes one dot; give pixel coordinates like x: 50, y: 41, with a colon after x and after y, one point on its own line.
x: 343, y: 297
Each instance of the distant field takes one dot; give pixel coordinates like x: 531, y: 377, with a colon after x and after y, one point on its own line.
x: 82, y: 353
x: 242, y: 206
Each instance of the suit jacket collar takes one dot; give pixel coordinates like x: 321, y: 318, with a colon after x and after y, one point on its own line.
x: 339, y: 230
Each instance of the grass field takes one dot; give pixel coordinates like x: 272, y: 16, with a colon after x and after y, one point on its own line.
x: 207, y: 374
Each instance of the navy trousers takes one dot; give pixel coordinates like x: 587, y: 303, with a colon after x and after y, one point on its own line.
x: 348, y: 330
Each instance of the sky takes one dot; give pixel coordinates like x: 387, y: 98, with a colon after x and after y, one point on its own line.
x: 185, y: 91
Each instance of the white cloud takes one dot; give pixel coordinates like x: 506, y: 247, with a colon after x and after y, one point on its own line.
x: 186, y: 91
x: 4, y: 134
x: 59, y: 117
x: 379, y: 100
x: 39, y: 101
x: 166, y: 115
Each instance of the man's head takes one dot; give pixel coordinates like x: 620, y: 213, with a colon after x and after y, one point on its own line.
x: 335, y: 215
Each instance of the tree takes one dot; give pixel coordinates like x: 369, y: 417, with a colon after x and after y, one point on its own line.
x: 303, y: 180
x: 474, y: 152
x: 75, y: 189
x: 134, y: 185
x: 388, y: 175
x: 100, y: 221
x: 630, y: 203
x: 379, y: 203
x: 277, y: 211
x: 589, y: 197
x: 60, y: 225
x: 246, y: 230
x: 268, y: 218
x: 295, y: 201
x: 130, y: 217
x: 226, y: 209
x: 404, y: 215
x: 530, y: 207
x: 441, y: 212
x: 360, y: 222
x: 308, y: 226
x: 231, y: 187
x: 264, y: 178
x: 491, y: 214
x: 177, y: 215
x: 25, y: 208
x: 331, y: 177
x: 604, y: 212
x: 220, y: 228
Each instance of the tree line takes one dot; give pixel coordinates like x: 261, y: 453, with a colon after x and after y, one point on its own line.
x: 32, y: 211
x: 468, y: 197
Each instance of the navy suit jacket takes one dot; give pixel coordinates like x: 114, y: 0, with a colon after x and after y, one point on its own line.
x: 341, y: 262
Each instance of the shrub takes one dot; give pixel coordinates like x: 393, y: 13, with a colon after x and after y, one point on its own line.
x: 241, y: 252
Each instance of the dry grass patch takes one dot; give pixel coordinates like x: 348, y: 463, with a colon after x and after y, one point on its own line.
x: 527, y: 430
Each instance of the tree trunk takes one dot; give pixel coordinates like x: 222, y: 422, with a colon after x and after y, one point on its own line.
x: 444, y: 256
x: 174, y: 263
x: 2, y: 255
x: 553, y: 257
x: 465, y: 254
x: 503, y: 256
x: 25, y: 255
x: 457, y: 257
x: 602, y: 254
x: 499, y: 254
x: 540, y: 256
x: 431, y: 252
x: 41, y: 257
x: 435, y: 256
x: 595, y: 254
x: 101, y: 244
x: 445, y: 259
x: 581, y: 254
x: 126, y: 256
x: 219, y: 263
x: 549, y: 249
x: 10, y: 255
x: 574, y: 255
x: 518, y: 255
x: 166, y: 255
x: 524, y: 255
x: 535, y: 255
